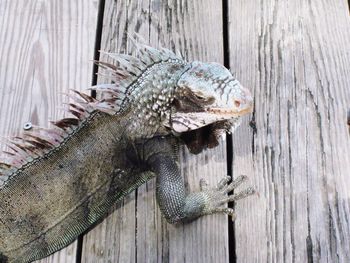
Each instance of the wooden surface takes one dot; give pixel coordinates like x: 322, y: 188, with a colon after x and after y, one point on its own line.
x: 294, y: 56
x: 46, y: 48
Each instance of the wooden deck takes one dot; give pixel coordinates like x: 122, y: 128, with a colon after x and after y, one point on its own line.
x: 293, y: 55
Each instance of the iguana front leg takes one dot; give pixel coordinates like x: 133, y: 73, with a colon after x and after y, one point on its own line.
x: 177, y: 206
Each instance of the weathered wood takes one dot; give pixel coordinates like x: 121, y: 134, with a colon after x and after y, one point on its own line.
x: 292, y: 54
x: 295, y: 56
x: 46, y: 48
x: 136, y: 232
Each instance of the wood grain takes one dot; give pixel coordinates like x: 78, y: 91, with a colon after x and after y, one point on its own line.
x: 46, y: 48
x: 295, y: 56
x: 136, y: 232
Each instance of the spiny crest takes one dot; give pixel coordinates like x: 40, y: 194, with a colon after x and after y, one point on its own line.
x: 127, y: 72
x: 37, y: 142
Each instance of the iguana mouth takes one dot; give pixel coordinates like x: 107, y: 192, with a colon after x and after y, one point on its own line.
x: 229, y: 112
x: 205, y: 137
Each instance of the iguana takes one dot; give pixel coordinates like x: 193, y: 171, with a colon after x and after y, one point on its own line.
x: 56, y: 182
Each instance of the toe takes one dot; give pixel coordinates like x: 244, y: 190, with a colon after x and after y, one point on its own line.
x: 235, y: 183
x: 238, y: 196
x: 203, y: 184
x: 225, y: 210
x: 223, y: 182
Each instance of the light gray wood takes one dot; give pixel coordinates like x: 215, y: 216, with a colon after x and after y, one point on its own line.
x: 136, y: 232
x: 46, y: 48
x: 295, y: 56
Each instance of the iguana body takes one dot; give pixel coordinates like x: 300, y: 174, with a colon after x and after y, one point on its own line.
x: 57, y: 182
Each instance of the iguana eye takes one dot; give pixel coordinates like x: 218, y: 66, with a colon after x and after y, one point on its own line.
x: 199, y: 96
x: 202, y: 99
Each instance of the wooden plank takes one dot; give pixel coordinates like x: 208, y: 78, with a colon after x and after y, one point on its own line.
x: 136, y: 232
x: 46, y: 48
x: 295, y: 56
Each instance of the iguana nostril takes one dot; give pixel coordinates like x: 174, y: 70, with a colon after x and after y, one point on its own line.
x: 237, y: 103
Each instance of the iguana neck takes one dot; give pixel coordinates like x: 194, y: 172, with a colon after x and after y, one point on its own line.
x: 149, y: 99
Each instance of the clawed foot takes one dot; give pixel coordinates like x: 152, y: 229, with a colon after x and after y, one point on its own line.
x: 217, y: 197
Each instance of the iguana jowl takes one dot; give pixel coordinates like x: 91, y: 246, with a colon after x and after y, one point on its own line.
x: 57, y: 182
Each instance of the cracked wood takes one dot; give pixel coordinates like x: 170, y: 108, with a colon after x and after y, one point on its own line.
x: 294, y: 56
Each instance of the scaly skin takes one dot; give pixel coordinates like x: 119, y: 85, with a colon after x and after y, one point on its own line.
x: 60, y: 182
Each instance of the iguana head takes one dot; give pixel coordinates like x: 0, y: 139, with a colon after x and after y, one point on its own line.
x: 208, y: 100
x: 162, y: 94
